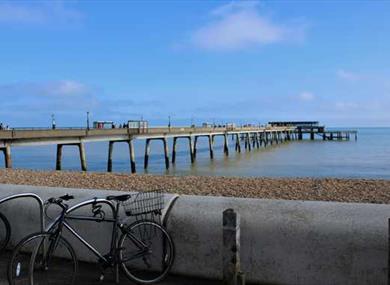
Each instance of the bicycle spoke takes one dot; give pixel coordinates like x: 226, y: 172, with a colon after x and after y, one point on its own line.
x: 152, y: 264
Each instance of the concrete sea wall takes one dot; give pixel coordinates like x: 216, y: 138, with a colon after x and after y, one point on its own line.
x: 282, y: 242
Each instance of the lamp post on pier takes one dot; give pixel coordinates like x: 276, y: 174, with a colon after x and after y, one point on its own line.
x: 87, y: 120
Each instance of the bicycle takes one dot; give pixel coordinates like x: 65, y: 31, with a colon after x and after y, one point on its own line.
x: 144, y: 251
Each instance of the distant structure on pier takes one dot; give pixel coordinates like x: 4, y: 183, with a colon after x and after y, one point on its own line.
x: 103, y: 124
x: 314, y: 128
x: 294, y: 123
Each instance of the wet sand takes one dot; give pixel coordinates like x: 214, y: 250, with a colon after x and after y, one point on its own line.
x: 327, y: 189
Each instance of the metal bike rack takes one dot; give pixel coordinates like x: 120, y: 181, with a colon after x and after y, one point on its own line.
x: 29, y: 195
x: 167, y: 209
x: 40, y: 202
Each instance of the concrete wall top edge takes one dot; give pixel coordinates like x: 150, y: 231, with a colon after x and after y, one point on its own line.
x: 210, y: 199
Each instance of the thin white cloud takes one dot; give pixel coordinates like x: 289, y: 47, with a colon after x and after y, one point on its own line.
x: 348, y: 75
x: 16, y: 13
x: 24, y: 102
x: 51, y: 94
x: 346, y: 106
x: 66, y: 88
x: 306, y: 96
x: 239, y: 25
x: 12, y: 12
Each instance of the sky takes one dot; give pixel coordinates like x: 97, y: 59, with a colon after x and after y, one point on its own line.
x: 214, y: 61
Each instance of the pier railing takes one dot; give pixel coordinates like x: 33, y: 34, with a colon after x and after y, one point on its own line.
x: 31, y: 133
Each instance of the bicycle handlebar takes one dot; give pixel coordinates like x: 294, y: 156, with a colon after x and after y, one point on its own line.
x: 60, y: 201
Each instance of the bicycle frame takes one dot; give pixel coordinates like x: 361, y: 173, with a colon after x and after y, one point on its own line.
x: 60, y: 222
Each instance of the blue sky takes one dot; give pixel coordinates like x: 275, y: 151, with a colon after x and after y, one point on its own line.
x: 206, y: 60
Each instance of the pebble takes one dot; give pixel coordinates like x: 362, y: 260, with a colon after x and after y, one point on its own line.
x: 324, y: 189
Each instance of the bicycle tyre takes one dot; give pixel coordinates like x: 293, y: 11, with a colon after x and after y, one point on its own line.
x: 130, y: 267
x: 5, y: 232
x: 26, y: 267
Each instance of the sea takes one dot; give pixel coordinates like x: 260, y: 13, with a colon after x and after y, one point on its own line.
x: 367, y: 157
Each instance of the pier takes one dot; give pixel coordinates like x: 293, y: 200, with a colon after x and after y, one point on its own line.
x: 250, y: 137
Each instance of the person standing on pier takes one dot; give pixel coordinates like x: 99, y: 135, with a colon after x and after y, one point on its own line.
x: 53, y: 122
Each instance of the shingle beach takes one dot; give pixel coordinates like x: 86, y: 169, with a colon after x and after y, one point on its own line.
x: 327, y: 189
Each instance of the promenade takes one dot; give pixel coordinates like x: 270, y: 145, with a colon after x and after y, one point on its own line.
x: 89, y: 275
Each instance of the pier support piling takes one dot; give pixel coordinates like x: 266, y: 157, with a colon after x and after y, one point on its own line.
x: 82, y: 157
x: 238, y: 144
x: 248, y: 142
x: 109, y: 160
x: 166, y: 153
x: 7, y: 156
x: 257, y: 140
x: 8, y: 159
x: 132, y: 157
x: 225, y: 144
x: 174, y: 150
x: 81, y: 148
x: 192, y: 149
x: 147, y: 152
x: 300, y: 135
x: 195, y: 146
x: 59, y: 157
x: 211, y: 144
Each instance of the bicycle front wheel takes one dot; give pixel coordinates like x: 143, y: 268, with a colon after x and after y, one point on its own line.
x: 5, y: 232
x: 42, y: 259
x: 146, y: 252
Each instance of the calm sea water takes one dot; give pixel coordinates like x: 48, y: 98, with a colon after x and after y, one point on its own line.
x: 368, y: 157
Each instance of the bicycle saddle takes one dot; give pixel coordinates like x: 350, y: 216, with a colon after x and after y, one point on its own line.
x: 119, y: 198
x: 67, y: 197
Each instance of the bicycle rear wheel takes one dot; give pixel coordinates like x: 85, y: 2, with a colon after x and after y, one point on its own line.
x: 5, y: 232
x: 146, y: 252
x: 40, y: 259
